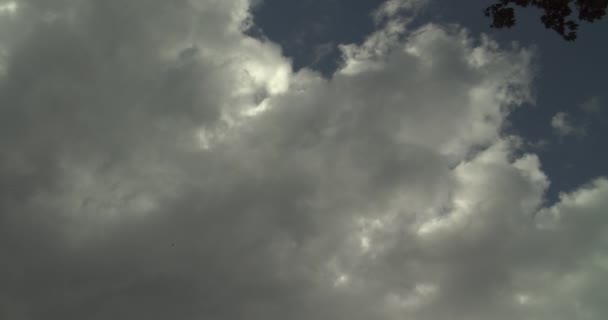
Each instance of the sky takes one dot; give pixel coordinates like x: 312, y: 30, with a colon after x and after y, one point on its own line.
x: 283, y: 159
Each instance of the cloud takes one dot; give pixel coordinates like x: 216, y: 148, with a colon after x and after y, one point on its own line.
x: 563, y: 126
x: 391, y: 9
x: 8, y: 7
x: 157, y: 163
x: 592, y: 105
x: 322, y: 51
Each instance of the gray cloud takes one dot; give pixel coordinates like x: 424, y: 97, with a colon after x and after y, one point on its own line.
x: 591, y: 105
x: 563, y: 125
x: 157, y: 163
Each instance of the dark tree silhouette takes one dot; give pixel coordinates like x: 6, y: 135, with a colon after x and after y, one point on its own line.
x: 557, y: 14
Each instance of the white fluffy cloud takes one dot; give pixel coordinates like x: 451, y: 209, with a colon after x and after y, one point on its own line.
x: 157, y: 163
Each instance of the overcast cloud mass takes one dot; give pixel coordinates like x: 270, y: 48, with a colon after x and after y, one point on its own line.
x: 157, y: 163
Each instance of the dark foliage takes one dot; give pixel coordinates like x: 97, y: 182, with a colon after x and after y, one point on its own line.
x: 558, y: 14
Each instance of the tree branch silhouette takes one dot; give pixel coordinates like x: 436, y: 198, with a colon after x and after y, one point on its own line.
x: 558, y: 14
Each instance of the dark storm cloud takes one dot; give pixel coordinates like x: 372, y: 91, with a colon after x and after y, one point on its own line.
x: 157, y: 163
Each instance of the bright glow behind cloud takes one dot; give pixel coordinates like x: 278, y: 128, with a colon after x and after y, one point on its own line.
x: 9, y: 7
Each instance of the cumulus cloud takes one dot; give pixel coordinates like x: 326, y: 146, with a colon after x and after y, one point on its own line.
x: 157, y: 163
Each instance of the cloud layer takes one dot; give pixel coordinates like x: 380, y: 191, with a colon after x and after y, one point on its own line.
x: 157, y: 163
